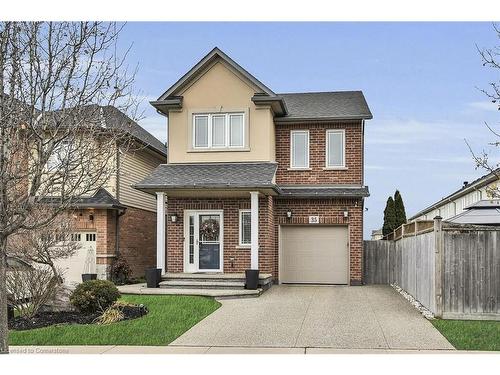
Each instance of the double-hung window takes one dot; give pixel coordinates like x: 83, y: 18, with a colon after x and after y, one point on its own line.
x: 245, y: 228
x: 299, y: 149
x: 335, y: 148
x: 218, y: 131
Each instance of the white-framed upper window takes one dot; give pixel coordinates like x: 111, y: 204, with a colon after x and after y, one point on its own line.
x: 299, y: 149
x: 335, y: 148
x: 218, y: 130
x: 245, y: 238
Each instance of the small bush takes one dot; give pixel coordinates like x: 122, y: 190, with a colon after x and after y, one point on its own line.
x: 94, y: 295
x: 120, y: 270
x: 112, y: 314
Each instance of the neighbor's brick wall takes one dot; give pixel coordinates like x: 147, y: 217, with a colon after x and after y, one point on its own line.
x: 317, y: 155
x: 330, y: 211
x: 137, y: 236
x: 235, y: 259
x: 138, y: 239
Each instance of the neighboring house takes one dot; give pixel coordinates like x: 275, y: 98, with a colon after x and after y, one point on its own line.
x: 377, y: 234
x: 485, y: 212
x: 459, y: 201
x: 118, y: 218
x: 260, y: 180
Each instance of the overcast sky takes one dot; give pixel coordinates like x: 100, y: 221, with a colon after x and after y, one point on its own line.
x: 421, y: 82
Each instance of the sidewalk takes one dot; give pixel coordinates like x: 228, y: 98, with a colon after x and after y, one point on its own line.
x: 111, y: 349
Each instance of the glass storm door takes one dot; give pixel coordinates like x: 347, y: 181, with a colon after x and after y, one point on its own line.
x: 203, y: 245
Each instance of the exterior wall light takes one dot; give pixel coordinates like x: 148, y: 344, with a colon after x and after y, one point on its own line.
x: 346, y: 213
x: 289, y: 214
x: 173, y: 218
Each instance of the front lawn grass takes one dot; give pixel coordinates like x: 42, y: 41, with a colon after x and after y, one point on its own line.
x: 168, y: 318
x: 470, y: 334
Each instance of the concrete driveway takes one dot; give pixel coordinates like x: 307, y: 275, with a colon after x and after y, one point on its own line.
x: 366, y: 317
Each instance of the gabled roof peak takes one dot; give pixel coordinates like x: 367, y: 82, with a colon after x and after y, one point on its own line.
x: 214, y: 54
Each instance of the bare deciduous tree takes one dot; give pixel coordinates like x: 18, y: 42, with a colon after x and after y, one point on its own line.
x: 30, y: 289
x: 45, y: 246
x: 490, y: 58
x: 55, y: 142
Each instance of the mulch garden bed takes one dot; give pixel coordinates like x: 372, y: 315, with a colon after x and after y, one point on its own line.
x: 46, y: 318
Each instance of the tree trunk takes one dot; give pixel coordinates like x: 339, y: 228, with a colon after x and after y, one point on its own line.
x: 4, y: 329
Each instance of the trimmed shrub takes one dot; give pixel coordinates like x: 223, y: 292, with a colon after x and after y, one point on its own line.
x: 94, y: 295
x: 120, y: 270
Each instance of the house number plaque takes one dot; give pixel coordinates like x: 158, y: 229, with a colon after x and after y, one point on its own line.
x: 313, y: 219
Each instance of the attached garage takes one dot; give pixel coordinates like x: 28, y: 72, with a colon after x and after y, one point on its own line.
x: 83, y: 261
x: 314, y: 254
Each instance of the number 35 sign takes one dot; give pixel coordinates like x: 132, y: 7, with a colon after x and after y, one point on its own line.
x: 313, y: 219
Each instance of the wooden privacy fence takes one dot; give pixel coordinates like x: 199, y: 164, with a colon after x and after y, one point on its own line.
x: 453, y: 270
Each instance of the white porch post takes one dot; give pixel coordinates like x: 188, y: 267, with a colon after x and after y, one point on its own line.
x: 254, y: 220
x: 160, y: 231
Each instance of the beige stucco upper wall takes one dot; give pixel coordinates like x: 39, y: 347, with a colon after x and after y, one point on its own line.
x: 221, y: 89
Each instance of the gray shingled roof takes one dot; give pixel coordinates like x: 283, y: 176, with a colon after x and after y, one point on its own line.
x: 338, y: 105
x: 324, y: 192
x: 101, y: 199
x: 478, y: 216
x: 211, y: 175
x: 116, y: 118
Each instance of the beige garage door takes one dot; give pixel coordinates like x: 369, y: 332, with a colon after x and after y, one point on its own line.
x: 314, y: 254
x: 83, y: 261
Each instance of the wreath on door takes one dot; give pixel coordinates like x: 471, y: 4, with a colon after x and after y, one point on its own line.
x: 210, y: 230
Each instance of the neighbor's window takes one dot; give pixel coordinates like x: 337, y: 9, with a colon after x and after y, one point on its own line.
x: 245, y: 228
x: 59, y: 155
x: 218, y: 130
x: 299, y: 149
x: 335, y: 148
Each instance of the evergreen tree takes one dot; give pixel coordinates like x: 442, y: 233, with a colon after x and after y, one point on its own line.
x: 389, y: 217
x: 400, y: 212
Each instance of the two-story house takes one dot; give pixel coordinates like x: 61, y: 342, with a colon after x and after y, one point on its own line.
x: 259, y: 180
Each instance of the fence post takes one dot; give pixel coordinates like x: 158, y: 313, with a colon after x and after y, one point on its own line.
x: 438, y: 265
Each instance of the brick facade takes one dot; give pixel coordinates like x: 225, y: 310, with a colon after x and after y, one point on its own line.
x: 317, y: 155
x: 330, y: 212
x: 272, y: 214
x: 137, y: 237
x: 235, y: 258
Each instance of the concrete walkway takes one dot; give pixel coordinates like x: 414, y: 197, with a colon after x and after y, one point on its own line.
x: 335, y: 317
x: 210, y: 350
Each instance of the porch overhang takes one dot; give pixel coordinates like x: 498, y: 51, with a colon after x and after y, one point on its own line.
x: 211, y: 179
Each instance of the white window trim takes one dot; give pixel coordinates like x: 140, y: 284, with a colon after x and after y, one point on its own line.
x: 292, y: 132
x: 227, y: 127
x: 240, y: 230
x: 327, y: 155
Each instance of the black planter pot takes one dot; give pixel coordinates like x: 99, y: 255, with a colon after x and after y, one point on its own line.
x: 153, y: 277
x: 251, y: 279
x: 89, y: 276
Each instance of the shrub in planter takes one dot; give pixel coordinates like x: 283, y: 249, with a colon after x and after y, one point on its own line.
x: 94, y: 295
x: 120, y: 270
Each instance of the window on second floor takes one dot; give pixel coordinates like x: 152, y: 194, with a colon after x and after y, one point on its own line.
x: 335, y: 148
x: 218, y: 130
x: 299, y: 149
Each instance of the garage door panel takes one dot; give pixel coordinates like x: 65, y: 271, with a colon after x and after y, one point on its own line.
x: 314, y: 254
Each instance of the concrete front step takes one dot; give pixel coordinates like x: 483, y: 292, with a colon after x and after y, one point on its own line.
x: 215, y: 293
x: 203, y: 284
x: 264, y: 278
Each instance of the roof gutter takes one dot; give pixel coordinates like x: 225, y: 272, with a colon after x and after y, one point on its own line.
x: 321, y: 119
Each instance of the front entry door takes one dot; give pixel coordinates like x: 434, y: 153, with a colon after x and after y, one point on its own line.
x: 203, y: 235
